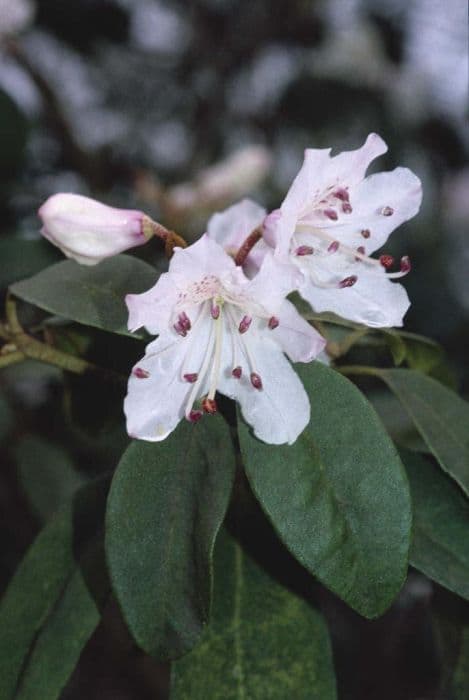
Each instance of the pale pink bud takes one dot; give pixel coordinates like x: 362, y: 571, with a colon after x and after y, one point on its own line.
x: 89, y: 231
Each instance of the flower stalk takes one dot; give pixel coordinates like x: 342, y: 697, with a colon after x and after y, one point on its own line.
x: 253, y: 238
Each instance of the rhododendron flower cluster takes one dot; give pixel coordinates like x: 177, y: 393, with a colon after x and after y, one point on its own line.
x: 226, y: 327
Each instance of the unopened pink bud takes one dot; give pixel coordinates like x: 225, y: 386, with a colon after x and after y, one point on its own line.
x: 89, y: 231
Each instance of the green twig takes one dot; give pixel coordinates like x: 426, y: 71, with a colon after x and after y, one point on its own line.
x: 23, y: 346
x: 11, y: 358
x: 359, y: 369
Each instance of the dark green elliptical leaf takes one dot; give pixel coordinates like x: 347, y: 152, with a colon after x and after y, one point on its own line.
x: 263, y: 643
x: 338, y: 497
x: 440, y: 416
x: 94, y: 295
x: 440, y: 525
x: 50, y: 608
x: 167, y: 502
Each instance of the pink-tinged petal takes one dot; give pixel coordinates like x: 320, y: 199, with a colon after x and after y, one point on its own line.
x: 297, y: 338
x: 89, y: 231
x: 154, y: 405
x: 158, y: 393
x: 373, y: 300
x: 274, y: 281
x: 381, y: 203
x: 349, y: 167
x: 231, y: 227
x: 322, y: 173
x: 279, y: 411
x: 204, y: 257
x: 319, y: 177
x: 153, y: 309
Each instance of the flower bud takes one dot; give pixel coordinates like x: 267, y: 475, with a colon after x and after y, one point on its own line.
x: 89, y: 231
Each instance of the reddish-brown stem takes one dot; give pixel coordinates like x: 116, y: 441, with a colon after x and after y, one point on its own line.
x: 253, y: 238
x: 171, y: 239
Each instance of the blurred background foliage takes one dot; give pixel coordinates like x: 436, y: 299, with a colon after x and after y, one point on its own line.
x: 131, y: 101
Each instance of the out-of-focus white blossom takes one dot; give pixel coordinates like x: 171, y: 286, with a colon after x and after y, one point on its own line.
x: 15, y: 15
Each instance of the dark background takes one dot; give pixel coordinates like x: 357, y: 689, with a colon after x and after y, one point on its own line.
x: 125, y: 99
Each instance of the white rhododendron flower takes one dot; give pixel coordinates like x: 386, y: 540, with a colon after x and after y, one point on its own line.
x: 332, y: 219
x: 220, y: 331
x: 89, y: 231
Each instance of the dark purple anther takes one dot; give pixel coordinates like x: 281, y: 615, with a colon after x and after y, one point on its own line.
x: 386, y: 261
x: 194, y: 416
x: 140, y: 373
x: 215, y: 311
x: 244, y: 324
x: 387, y: 211
x: 184, y: 321
x: 273, y: 322
x: 179, y: 329
x: 209, y: 405
x: 361, y: 250
x: 237, y: 372
x: 347, y: 208
x: 304, y: 250
x: 365, y: 232
x: 348, y: 281
x: 256, y: 381
x: 191, y: 377
x: 331, y: 214
x: 406, y: 265
x: 341, y: 193
x: 334, y: 247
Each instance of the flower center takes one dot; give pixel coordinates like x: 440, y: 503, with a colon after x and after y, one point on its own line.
x: 225, y: 318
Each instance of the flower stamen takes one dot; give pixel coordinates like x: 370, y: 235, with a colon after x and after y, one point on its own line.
x: 244, y: 324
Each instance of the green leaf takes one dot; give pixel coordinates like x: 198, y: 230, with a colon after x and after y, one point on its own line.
x: 6, y: 417
x: 399, y: 426
x: 167, y: 502
x: 70, y: 625
x: 262, y: 642
x: 22, y: 257
x: 338, y: 497
x: 440, y: 525
x: 440, y: 416
x: 94, y: 295
x: 49, y: 610
x: 396, y: 346
x: 421, y: 353
x: 46, y: 473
